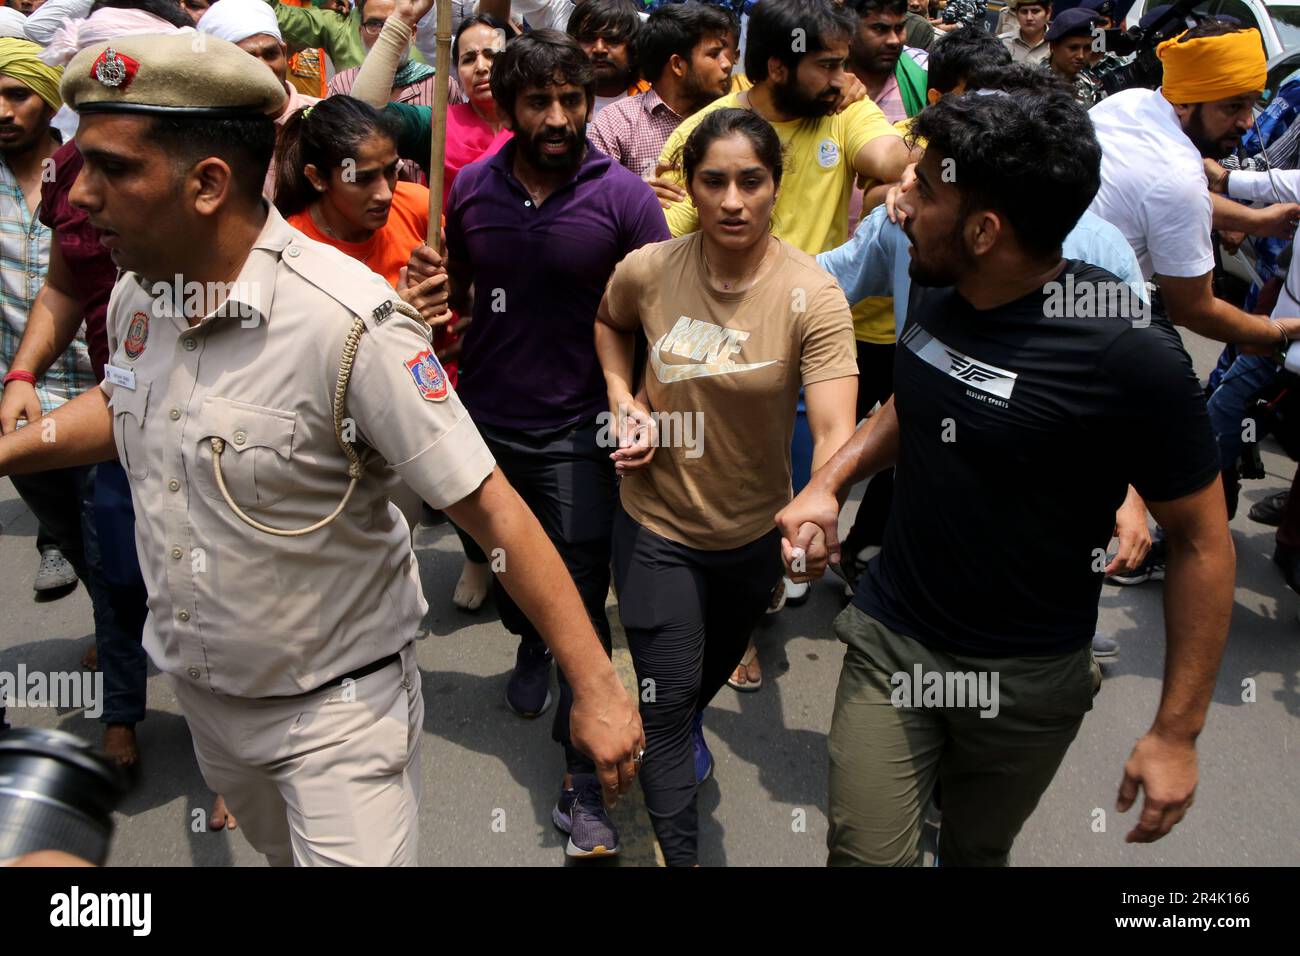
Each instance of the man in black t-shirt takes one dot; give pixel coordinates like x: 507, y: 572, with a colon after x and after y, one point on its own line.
x: 1030, y: 392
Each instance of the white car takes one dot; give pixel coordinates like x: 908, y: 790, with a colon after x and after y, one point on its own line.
x: 1277, y: 23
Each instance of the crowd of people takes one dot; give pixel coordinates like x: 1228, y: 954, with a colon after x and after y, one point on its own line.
x: 695, y: 273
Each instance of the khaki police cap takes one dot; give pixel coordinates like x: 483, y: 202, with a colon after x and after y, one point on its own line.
x: 178, y: 74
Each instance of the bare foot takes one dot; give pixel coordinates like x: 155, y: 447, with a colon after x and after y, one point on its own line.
x: 119, y: 744
x: 472, y: 588
x: 221, y: 818
x: 90, y: 659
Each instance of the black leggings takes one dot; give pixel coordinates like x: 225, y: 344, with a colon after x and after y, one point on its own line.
x: 688, y: 615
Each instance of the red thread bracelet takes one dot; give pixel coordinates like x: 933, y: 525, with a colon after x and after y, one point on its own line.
x: 18, y: 375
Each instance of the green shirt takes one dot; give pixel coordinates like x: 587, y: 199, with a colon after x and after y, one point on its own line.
x: 307, y: 28
x: 415, y: 131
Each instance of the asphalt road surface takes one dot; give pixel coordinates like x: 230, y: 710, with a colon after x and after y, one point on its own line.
x: 490, y: 779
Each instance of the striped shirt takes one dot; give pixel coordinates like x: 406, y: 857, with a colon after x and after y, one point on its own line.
x: 24, y: 258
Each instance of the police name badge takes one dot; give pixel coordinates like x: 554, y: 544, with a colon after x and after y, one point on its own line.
x: 429, y: 376
x: 121, y: 377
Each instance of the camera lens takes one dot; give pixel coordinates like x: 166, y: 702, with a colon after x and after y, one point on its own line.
x: 56, y: 793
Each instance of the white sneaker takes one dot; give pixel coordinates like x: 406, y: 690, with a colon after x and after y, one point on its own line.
x: 795, y: 594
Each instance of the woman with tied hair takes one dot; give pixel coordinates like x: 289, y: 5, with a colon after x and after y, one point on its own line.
x: 336, y: 175
x: 704, y: 447
x: 336, y: 181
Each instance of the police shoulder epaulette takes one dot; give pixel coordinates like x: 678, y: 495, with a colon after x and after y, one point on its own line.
x: 385, y: 310
x: 348, y: 282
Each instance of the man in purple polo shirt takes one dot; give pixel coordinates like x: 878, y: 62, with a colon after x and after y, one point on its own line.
x: 533, y: 234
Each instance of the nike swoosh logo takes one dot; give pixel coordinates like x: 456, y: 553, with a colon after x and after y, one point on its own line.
x: 667, y: 374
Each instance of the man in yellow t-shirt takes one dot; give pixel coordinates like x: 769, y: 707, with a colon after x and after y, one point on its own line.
x: 796, y: 90
x: 825, y: 151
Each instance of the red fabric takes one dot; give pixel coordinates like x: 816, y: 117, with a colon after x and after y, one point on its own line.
x: 91, y: 267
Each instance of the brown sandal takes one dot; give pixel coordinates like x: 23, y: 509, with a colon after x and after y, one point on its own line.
x: 749, y: 686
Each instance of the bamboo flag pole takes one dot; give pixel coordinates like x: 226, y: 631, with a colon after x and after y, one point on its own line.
x: 438, y: 149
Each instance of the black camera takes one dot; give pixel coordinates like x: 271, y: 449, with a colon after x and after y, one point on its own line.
x: 1144, y: 70
x: 56, y: 793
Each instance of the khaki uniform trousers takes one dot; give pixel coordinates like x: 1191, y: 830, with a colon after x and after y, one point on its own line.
x: 330, y: 778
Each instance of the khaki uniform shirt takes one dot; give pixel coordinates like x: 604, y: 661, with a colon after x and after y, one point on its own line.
x: 233, y: 609
x: 1022, y: 52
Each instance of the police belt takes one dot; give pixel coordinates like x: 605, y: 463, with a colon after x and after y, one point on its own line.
x: 354, y: 675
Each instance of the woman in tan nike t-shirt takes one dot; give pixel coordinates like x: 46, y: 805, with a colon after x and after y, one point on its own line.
x: 737, y: 321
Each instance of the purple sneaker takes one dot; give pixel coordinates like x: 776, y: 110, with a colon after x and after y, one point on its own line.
x: 580, y: 813
x: 703, y: 758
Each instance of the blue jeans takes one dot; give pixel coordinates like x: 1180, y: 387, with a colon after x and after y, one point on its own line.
x: 1227, y: 405
x: 117, y: 593
x: 88, y: 514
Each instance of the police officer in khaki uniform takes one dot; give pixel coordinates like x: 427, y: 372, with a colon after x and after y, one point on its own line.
x: 267, y: 395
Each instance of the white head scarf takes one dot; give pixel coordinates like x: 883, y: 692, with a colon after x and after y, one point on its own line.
x: 12, y: 24
x: 236, y: 20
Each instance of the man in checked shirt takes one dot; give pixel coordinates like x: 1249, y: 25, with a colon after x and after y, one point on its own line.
x: 685, y: 53
x: 29, y: 98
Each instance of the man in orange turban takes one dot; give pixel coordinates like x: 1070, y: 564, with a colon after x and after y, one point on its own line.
x: 1153, y: 184
x: 1214, y: 82
x: 1154, y: 190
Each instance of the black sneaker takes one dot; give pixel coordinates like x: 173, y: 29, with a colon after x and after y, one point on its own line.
x: 1269, y: 510
x: 1152, y: 568
x: 529, y: 690
x: 580, y: 813
x: 1104, y: 650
